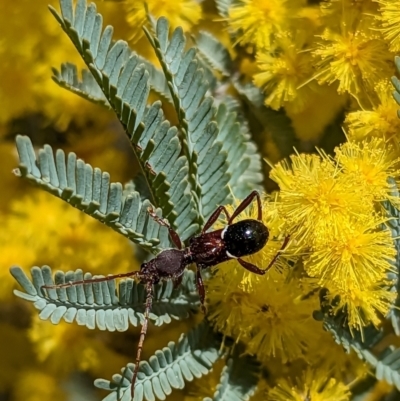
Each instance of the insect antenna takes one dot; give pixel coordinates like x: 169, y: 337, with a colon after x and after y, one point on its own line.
x: 93, y: 280
x: 143, y: 331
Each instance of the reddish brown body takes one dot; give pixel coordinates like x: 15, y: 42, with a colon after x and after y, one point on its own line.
x: 208, y: 249
x: 205, y: 250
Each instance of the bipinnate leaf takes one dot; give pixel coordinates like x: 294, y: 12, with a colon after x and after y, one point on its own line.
x: 239, y: 378
x: 386, y: 364
x: 214, y: 52
x: 104, y: 305
x: 125, y: 80
x: 86, y: 86
x: 207, y: 160
x: 89, y: 190
x: 169, y: 368
x: 393, y: 224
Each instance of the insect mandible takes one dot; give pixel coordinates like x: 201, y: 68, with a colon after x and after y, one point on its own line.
x: 205, y: 250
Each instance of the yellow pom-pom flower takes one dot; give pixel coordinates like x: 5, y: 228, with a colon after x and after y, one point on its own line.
x: 283, y: 71
x: 314, y: 385
x: 86, y: 351
x: 390, y: 22
x: 256, y: 21
x: 354, y: 58
x: 265, y: 311
x: 330, y: 208
x: 60, y: 236
x: 363, y: 306
x: 269, y: 317
x: 356, y: 255
x: 183, y: 13
x: 315, y: 195
x: 35, y: 385
x: 371, y: 163
x: 381, y: 121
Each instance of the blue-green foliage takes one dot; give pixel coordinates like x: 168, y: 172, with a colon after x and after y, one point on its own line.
x: 239, y: 378
x: 104, y: 305
x: 170, y: 367
x: 89, y: 189
x: 188, y: 171
x: 386, y: 364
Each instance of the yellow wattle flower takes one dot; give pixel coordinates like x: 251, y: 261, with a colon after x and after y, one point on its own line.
x: 86, y: 349
x: 371, y: 163
x: 363, y: 306
x: 329, y: 206
x: 256, y: 21
x: 315, y: 195
x: 382, y: 121
x: 355, y: 256
x: 183, y: 13
x: 268, y: 317
x: 283, y: 70
x: 315, y: 385
x: 310, y: 124
x: 60, y: 236
x: 354, y: 57
x: 390, y: 22
x: 33, y: 42
x: 36, y: 385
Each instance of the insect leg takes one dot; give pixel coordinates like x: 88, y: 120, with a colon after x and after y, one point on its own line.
x: 284, y: 245
x: 143, y: 331
x: 254, y: 269
x: 214, y: 217
x: 162, y: 222
x: 246, y: 202
x: 200, y: 289
x: 250, y: 267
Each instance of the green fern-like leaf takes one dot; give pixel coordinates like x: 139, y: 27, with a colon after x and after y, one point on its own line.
x: 193, y: 356
x: 87, y: 87
x: 388, y: 366
x: 201, y: 145
x: 244, y: 161
x: 214, y: 52
x: 125, y: 82
x: 243, y: 158
x: 223, y: 7
x: 277, y: 123
x: 350, y: 342
x: 239, y: 378
x: 158, y: 82
x: 392, y: 224
x: 89, y: 189
x: 103, y: 305
x: 396, y: 84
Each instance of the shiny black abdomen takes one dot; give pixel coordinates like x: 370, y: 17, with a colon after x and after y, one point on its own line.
x: 245, y: 237
x: 209, y: 249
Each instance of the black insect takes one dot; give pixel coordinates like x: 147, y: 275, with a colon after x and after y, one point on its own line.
x: 206, y: 249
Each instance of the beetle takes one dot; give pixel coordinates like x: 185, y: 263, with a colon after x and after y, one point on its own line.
x: 205, y: 250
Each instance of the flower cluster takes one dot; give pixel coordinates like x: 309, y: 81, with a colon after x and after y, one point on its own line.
x: 325, y: 67
x: 332, y: 208
x: 309, y: 58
